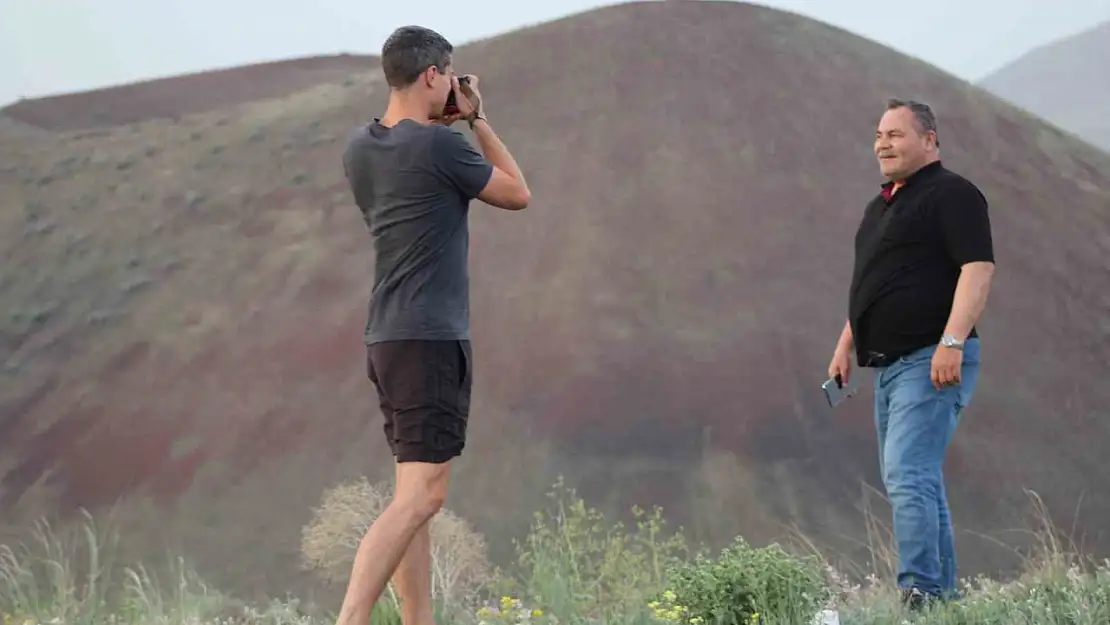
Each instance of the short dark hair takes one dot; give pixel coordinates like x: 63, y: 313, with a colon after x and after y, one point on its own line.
x: 923, y: 114
x: 409, y: 51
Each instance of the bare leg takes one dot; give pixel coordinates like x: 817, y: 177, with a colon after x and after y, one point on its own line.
x: 421, y: 490
x: 413, y: 580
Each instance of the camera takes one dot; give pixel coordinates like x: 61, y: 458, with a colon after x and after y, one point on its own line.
x: 452, y: 106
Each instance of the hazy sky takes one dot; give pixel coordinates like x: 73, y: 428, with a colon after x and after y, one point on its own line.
x: 52, y: 46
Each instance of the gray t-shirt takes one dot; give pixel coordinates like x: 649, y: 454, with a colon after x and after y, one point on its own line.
x: 413, y: 183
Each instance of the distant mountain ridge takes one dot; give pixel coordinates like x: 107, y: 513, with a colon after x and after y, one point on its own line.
x: 1067, y: 82
x: 176, y: 96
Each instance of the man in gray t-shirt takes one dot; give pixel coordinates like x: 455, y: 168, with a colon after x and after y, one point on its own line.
x: 414, y: 183
x: 413, y: 177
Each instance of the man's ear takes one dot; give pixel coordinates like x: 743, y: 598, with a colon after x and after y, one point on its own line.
x: 429, y: 76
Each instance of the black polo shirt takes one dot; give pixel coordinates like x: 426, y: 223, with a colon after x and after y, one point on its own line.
x: 910, y: 247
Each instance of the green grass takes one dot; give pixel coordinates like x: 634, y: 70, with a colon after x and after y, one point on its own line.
x: 574, y: 567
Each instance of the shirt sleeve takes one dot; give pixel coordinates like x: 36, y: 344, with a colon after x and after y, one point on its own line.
x: 965, y: 224
x: 457, y: 160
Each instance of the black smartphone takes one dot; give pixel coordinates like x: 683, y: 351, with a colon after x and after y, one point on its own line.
x: 836, y: 392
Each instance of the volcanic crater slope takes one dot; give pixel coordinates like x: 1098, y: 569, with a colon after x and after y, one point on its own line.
x: 185, y: 297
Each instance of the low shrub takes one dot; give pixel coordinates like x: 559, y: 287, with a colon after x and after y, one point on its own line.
x: 576, y: 564
x: 744, y: 585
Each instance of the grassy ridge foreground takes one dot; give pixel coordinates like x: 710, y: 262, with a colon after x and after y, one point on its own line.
x: 574, y: 567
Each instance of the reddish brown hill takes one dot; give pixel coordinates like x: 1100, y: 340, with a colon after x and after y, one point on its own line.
x: 184, y: 95
x: 187, y: 299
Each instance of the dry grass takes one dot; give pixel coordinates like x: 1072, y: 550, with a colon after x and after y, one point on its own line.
x: 460, y: 567
x: 576, y: 567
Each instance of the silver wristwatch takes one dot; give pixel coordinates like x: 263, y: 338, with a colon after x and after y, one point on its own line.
x: 950, y: 341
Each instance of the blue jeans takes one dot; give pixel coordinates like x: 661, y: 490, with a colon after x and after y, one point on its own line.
x: 915, y: 423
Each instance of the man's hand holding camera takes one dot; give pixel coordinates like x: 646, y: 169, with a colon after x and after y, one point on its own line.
x: 506, y: 187
x: 468, y: 101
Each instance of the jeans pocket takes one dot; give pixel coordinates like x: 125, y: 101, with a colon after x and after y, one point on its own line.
x: 904, y: 365
x: 914, y: 357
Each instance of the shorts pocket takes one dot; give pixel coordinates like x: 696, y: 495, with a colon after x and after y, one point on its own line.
x: 452, y: 373
x: 466, y: 376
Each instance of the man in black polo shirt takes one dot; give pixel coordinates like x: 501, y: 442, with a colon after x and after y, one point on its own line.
x: 924, y: 260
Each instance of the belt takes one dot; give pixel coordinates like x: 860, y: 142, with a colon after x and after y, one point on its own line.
x: 877, y: 359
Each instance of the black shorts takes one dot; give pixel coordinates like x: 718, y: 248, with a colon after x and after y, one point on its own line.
x: 424, y: 392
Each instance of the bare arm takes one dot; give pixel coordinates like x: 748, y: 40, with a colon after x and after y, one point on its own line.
x: 970, y: 298
x: 846, y: 342
x: 507, y: 188
x: 480, y: 176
